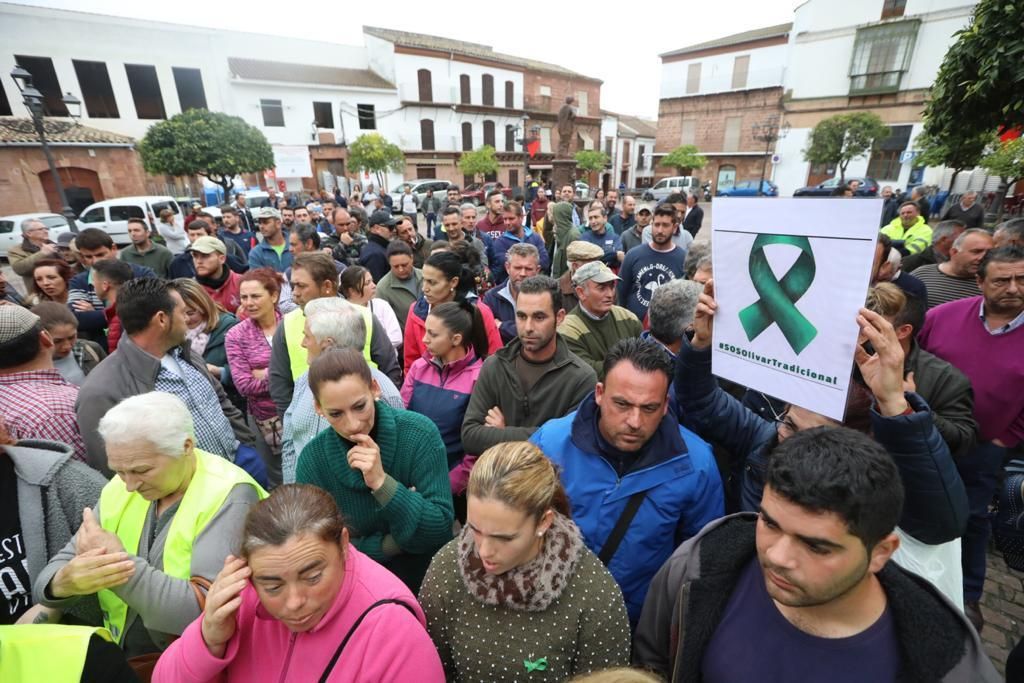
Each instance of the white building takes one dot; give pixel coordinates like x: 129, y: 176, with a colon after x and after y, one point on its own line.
x: 880, y: 56
x: 433, y: 97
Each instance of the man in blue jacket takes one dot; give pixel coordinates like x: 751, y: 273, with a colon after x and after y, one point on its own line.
x: 640, y: 484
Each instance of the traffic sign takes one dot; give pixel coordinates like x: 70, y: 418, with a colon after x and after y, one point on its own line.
x: 908, y: 155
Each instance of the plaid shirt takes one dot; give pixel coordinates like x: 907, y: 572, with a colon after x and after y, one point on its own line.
x: 40, y: 404
x: 213, y: 430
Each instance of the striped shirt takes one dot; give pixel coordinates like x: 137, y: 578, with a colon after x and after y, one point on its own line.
x: 944, y: 288
x: 40, y: 404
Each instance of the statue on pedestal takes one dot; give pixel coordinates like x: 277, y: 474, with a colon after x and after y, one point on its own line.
x: 566, y: 128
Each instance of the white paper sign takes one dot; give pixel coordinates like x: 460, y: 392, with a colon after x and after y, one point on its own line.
x: 790, y: 276
x: 292, y: 161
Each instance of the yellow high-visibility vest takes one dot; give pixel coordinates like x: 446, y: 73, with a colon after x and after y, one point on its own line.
x: 45, y: 653
x: 124, y: 513
x: 294, y: 326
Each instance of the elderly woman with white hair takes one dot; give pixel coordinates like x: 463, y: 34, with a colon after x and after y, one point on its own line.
x: 162, y: 526
x: 331, y: 323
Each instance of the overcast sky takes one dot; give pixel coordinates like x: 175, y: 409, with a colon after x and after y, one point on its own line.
x: 620, y: 47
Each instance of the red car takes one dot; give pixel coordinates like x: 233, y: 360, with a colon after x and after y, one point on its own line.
x: 477, y: 193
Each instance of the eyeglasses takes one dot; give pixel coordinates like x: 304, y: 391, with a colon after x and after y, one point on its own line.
x: 782, y: 419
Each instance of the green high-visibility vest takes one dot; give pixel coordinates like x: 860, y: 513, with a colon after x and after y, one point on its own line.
x: 294, y: 325
x: 45, y: 653
x: 124, y: 513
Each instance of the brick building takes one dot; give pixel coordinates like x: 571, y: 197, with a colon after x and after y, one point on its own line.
x: 712, y: 95
x: 93, y: 165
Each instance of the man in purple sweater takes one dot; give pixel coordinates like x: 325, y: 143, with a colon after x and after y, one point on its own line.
x: 983, y: 336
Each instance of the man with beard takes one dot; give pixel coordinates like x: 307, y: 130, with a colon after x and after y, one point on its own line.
x: 532, y: 379
x: 232, y: 229
x: 807, y: 579
x: 209, y: 258
x: 144, y: 251
x: 651, y: 265
x: 273, y: 251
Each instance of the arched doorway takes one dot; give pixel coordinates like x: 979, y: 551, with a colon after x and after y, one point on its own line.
x: 81, y: 186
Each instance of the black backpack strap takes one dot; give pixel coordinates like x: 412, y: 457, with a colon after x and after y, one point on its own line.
x: 344, y: 641
x: 619, y: 530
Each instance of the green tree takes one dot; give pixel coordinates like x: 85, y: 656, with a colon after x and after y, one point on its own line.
x: 840, y: 139
x: 479, y: 162
x: 683, y: 159
x: 1006, y: 160
x: 210, y: 144
x: 956, y: 152
x: 591, y: 160
x: 980, y: 85
x: 372, y: 153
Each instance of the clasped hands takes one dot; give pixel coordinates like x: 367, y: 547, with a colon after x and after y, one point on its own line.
x: 100, y: 562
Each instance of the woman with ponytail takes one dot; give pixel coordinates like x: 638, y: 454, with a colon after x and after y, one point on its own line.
x: 446, y: 278
x: 439, y: 384
x: 518, y: 596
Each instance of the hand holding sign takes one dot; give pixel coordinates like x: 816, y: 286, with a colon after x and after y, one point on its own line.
x: 704, y: 317
x: 883, y: 371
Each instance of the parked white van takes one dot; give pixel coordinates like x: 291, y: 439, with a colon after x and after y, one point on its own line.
x: 111, y: 215
x: 666, y: 186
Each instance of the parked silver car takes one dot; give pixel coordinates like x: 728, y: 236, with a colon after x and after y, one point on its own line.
x: 419, y: 188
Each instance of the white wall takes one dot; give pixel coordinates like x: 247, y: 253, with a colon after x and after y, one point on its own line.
x: 445, y: 75
x: 64, y: 36
x: 766, y: 69
x: 824, y: 34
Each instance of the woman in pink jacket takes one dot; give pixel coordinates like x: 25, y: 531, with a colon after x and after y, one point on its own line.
x: 302, y: 604
x: 248, y: 349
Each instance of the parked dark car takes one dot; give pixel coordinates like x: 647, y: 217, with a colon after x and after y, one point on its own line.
x: 748, y: 188
x: 868, y: 188
x: 477, y: 193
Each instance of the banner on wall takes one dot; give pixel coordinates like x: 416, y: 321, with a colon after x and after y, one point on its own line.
x: 292, y: 161
x: 790, y: 276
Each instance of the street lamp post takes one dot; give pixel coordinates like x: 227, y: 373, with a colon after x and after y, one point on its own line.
x: 769, y: 132
x: 33, y: 101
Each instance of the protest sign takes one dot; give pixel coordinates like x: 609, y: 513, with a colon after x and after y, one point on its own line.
x: 790, y: 276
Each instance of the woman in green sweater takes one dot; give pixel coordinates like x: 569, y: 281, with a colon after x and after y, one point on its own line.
x: 387, y: 469
x: 518, y: 596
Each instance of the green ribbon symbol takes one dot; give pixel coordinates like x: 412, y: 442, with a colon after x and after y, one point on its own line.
x: 778, y: 296
x: 538, y: 665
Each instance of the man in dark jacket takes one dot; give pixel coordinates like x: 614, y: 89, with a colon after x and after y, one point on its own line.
x: 943, y: 236
x: 374, y: 256
x: 694, y: 216
x: 533, y: 379
x: 946, y: 390
x: 155, y: 356
x: 805, y: 590
x: 966, y: 211
x: 936, y: 509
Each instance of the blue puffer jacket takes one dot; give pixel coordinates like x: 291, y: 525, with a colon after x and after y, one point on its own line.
x: 935, y: 501
x: 684, y: 492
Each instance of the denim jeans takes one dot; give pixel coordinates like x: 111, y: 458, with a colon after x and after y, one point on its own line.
x: 981, y: 471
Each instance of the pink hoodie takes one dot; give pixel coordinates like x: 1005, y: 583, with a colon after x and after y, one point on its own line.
x: 389, y: 645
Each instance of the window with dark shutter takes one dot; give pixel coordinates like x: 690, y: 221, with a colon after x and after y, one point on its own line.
x: 426, y: 134
x: 323, y: 115
x: 426, y: 90
x: 145, y: 87
x: 510, y: 138
x: 489, y: 133
x: 464, y: 90
x: 97, y: 93
x: 488, y: 87
x: 467, y: 136
x: 367, y: 116
x: 189, y: 83
x: 44, y: 79
x: 510, y: 95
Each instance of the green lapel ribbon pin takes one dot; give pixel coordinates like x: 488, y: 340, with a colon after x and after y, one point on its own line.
x: 778, y: 297
x: 536, y: 665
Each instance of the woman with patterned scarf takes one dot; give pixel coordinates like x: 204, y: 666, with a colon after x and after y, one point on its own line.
x: 518, y: 595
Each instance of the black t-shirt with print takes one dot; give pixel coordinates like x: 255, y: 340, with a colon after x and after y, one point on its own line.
x: 15, y: 585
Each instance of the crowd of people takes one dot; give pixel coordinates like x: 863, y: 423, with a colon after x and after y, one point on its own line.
x: 312, y: 442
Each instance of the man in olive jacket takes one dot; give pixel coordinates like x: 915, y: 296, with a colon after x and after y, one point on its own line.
x: 501, y: 408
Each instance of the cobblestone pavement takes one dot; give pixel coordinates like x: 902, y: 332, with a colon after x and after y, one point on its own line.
x: 1002, y: 604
